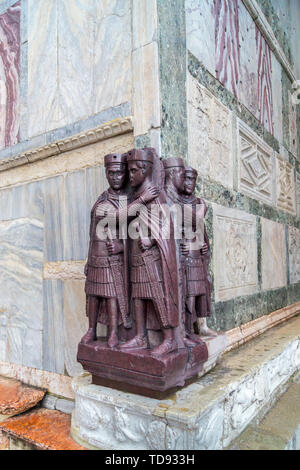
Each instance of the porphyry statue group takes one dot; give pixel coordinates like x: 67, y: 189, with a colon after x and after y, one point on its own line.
x: 152, y: 291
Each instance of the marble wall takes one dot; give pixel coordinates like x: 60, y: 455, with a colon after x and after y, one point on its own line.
x: 10, y: 43
x: 80, y: 45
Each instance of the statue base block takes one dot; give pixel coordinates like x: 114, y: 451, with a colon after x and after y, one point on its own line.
x: 138, y: 371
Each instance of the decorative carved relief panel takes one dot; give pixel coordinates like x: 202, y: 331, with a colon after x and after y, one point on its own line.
x: 285, y: 185
x: 256, y: 166
x: 235, y: 253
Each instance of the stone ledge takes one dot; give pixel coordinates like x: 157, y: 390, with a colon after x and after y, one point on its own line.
x: 279, y: 429
x: 16, y: 398
x: 208, y: 414
x: 41, y: 430
x: 106, y: 131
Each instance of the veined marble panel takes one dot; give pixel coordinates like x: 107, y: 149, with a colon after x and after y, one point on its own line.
x: 54, y: 218
x: 75, y: 323
x: 43, y: 100
x: 144, y: 22
x: 10, y: 44
x: 209, y: 134
x: 273, y: 255
x: 285, y: 185
x: 146, y: 98
x: 256, y: 168
x: 21, y: 291
x: 76, y: 225
x: 294, y: 254
x: 53, y: 332
x: 76, y: 52
x: 235, y: 253
x: 298, y: 193
x: 113, y: 48
x: 200, y: 30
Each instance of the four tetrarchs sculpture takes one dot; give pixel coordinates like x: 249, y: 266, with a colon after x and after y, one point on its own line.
x: 147, y: 275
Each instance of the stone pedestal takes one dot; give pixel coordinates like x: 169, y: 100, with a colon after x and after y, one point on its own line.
x: 115, y: 419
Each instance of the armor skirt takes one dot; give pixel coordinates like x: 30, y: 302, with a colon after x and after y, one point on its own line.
x: 99, y: 279
x: 195, y: 277
x: 140, y: 282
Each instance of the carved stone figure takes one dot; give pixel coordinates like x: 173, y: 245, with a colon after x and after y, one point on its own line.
x: 106, y: 277
x: 197, y: 279
x: 153, y: 271
x: 148, y: 287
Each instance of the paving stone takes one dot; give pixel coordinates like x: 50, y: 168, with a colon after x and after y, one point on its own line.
x: 43, y: 429
x: 15, y: 397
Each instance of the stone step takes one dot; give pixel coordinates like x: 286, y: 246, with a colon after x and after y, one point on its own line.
x: 38, y: 429
x: 16, y: 398
x: 279, y: 429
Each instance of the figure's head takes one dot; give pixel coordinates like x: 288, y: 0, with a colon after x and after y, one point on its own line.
x: 116, y: 170
x: 190, y: 180
x: 174, y: 169
x: 140, y: 165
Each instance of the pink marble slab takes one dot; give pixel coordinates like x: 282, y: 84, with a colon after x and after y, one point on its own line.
x: 10, y: 76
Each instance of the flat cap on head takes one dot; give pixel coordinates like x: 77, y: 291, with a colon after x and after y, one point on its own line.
x: 173, y: 162
x: 113, y: 158
x: 191, y: 171
x: 141, y: 155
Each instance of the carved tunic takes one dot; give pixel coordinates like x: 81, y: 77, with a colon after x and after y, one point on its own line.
x: 100, y: 279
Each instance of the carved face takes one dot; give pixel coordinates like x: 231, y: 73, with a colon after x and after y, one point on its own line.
x: 116, y: 175
x: 189, y: 184
x: 137, y: 173
x: 177, y: 176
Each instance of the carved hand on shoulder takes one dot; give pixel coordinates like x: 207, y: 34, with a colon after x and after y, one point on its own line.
x: 145, y: 243
x: 149, y: 194
x: 114, y: 247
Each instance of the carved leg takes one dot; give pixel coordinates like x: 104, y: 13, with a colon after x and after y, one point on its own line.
x: 191, y: 337
x: 140, y: 340
x: 202, y: 322
x: 112, y: 311
x: 92, y: 312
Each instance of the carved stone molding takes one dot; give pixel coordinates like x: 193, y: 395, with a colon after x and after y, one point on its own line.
x: 106, y: 131
x: 235, y: 253
x: 64, y: 270
x: 285, y: 185
x: 256, y: 166
x: 244, y: 333
x: 265, y: 28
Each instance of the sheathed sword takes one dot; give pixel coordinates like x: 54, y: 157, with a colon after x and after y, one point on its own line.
x: 114, y: 262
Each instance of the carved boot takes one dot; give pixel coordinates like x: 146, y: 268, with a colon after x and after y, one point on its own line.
x: 113, y: 340
x: 89, y: 337
x: 138, y: 342
x: 167, y: 346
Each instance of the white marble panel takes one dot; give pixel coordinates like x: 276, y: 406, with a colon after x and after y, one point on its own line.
x: 273, y: 255
x: 200, y: 31
x: 76, y: 51
x: 43, y: 97
x: 113, y: 45
x: 144, y: 22
x: 21, y: 291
